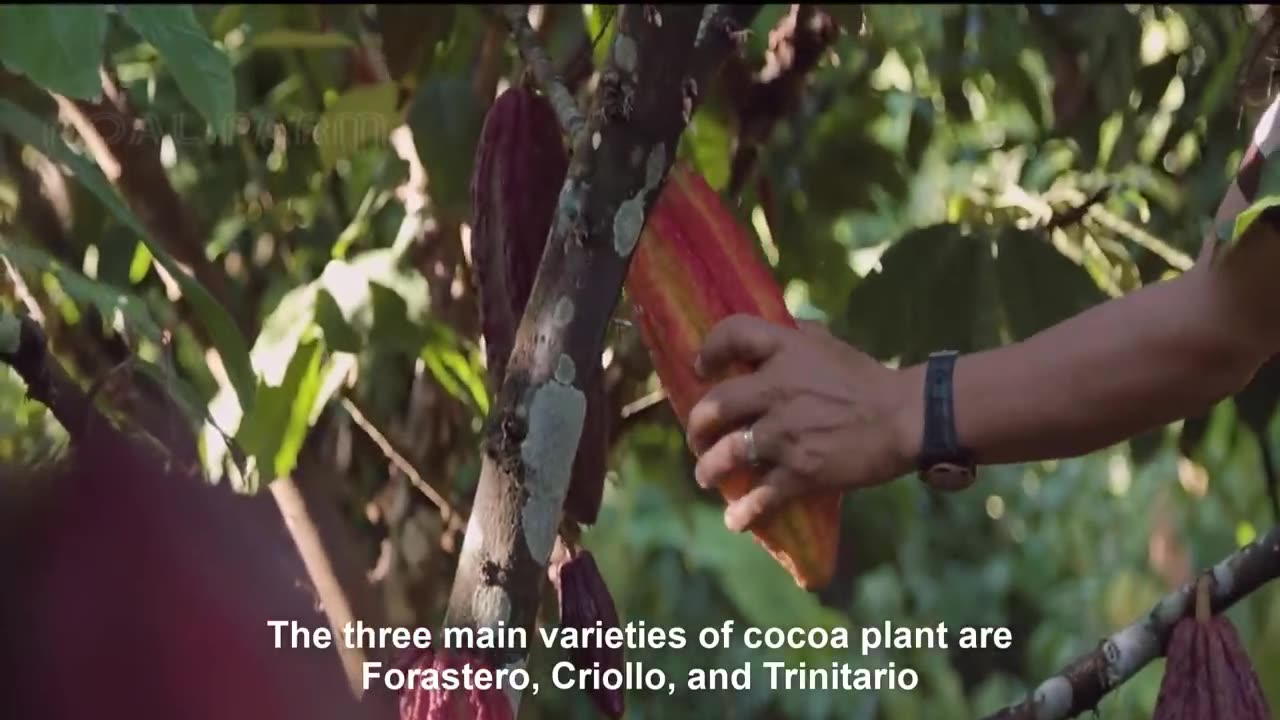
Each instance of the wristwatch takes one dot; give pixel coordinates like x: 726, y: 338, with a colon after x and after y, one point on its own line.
x: 943, y: 464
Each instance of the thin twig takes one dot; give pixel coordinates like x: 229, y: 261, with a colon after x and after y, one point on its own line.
x: 451, y: 516
x: 640, y: 405
x: 571, y: 119
x: 1118, y: 225
x: 23, y: 293
x: 1080, y: 686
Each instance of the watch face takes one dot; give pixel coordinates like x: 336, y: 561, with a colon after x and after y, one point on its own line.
x: 949, y: 477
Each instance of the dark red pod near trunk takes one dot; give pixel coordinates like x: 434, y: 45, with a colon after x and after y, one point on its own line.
x: 584, y: 601
x: 521, y: 163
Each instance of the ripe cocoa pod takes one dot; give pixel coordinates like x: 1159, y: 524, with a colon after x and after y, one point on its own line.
x: 1208, y: 675
x: 520, y: 167
x: 693, y: 267
x: 418, y: 703
x: 584, y: 601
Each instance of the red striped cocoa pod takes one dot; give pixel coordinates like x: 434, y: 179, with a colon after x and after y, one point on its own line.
x: 584, y: 601
x: 520, y: 166
x: 694, y: 266
x: 463, y: 703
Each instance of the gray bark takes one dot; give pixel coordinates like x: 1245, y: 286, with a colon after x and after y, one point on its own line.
x: 660, y: 56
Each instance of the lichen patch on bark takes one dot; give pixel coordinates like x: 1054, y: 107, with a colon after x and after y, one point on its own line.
x: 625, y: 54
x: 563, y: 314
x: 492, y: 603
x: 1224, y: 576
x: 627, y: 224
x: 655, y: 167
x: 565, y: 370
x: 556, y: 414
x: 1053, y: 698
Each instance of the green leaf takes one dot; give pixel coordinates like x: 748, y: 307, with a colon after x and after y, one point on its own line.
x: 140, y: 263
x: 289, y: 39
x: 1039, y: 286
x: 930, y: 295
x: 1251, y: 214
x: 446, y: 120
x: 410, y: 34
x: 274, y: 431
x: 461, y: 376
x: 202, y: 70
x: 359, y: 116
x: 109, y: 300
x: 222, y: 330
x: 711, y: 142
x: 57, y: 46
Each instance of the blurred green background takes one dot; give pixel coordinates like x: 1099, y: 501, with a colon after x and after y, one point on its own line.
x: 918, y: 177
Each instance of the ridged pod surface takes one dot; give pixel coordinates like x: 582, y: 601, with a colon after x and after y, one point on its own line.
x: 584, y: 601
x: 418, y: 703
x: 520, y: 167
x: 1208, y: 675
x: 694, y: 266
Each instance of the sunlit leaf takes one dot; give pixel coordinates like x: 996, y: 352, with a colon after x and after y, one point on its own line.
x: 360, y: 116
x: 273, y: 432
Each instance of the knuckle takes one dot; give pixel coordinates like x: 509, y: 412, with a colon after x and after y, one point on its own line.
x: 803, y: 460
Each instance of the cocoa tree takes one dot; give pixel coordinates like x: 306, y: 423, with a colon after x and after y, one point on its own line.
x: 618, y: 167
x: 302, y: 282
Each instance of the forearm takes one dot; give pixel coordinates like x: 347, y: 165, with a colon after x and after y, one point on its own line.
x: 1160, y: 354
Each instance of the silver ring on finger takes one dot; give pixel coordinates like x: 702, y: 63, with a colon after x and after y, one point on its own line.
x: 749, y: 443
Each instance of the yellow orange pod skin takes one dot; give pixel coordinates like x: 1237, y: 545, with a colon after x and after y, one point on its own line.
x: 693, y: 267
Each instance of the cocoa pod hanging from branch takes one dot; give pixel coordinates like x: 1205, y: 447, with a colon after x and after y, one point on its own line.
x: 695, y: 267
x: 520, y: 166
x: 1208, y: 675
x: 1080, y: 686
x: 619, y: 166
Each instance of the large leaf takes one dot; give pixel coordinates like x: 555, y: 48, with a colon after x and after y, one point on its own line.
x: 445, y: 119
x: 202, y: 70
x: 359, y: 116
x: 222, y: 330
x: 929, y: 296
x: 1039, y: 286
x: 57, y: 46
x: 410, y: 34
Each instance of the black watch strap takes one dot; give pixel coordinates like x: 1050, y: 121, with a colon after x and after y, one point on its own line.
x: 944, y: 464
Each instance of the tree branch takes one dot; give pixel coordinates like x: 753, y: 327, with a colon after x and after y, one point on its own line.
x: 437, y: 497
x: 796, y: 44
x: 517, y: 16
x: 618, y: 169
x: 24, y: 348
x: 1081, y: 685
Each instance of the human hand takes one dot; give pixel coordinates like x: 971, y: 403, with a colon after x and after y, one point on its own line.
x: 824, y: 415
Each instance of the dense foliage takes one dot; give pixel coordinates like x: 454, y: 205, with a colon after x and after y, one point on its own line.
x: 938, y: 176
